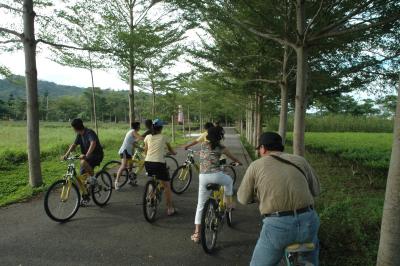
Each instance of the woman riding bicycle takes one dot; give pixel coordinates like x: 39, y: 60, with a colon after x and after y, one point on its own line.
x: 126, y: 150
x: 210, y: 172
x: 154, y: 148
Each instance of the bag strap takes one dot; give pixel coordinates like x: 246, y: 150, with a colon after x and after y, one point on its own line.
x: 292, y: 164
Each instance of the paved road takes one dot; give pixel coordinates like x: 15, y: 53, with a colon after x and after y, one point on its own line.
x: 118, y: 234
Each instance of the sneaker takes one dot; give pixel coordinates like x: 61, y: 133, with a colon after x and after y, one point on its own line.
x: 85, y: 200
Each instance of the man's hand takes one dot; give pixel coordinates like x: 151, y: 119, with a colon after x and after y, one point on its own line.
x: 82, y: 156
x: 186, y: 147
x: 64, y: 157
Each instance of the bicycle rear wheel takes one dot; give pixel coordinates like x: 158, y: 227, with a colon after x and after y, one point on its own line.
x: 172, y: 164
x: 62, y: 200
x: 209, y: 226
x: 150, y: 201
x: 101, y: 191
x: 230, y: 170
x: 181, y: 179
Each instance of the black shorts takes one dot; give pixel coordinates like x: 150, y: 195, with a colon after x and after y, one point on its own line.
x: 94, y: 160
x: 125, y: 155
x: 159, y: 170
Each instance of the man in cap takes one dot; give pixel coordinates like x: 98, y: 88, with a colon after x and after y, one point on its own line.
x: 285, y: 186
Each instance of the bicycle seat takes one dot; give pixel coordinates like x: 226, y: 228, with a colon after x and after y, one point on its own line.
x: 213, y: 187
x: 300, y: 247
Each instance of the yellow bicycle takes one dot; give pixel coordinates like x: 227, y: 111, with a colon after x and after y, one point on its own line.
x: 214, y: 214
x: 151, y: 198
x: 135, y: 167
x: 62, y: 199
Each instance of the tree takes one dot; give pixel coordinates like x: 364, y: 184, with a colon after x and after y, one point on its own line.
x: 390, y: 229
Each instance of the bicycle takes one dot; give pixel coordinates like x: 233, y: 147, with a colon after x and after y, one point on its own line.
x: 152, y: 198
x: 182, y: 176
x: 135, y: 167
x: 65, y: 194
x: 213, y: 218
x: 296, y: 254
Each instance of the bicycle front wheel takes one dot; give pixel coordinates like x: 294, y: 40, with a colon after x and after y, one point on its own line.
x: 209, y: 226
x: 172, y: 164
x: 230, y: 170
x: 62, y: 200
x: 112, y: 169
x: 150, y: 201
x: 181, y: 179
x: 101, y: 191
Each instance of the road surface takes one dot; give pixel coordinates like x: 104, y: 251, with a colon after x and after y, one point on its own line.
x: 118, y: 233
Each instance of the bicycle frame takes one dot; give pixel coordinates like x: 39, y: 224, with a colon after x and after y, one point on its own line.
x: 190, y: 160
x: 72, y: 177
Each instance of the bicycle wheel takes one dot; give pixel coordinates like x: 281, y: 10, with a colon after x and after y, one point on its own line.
x: 209, y: 226
x: 181, y: 179
x: 230, y: 170
x: 229, y: 217
x: 101, y: 191
x: 62, y: 200
x: 112, y: 168
x: 150, y: 201
x: 172, y: 164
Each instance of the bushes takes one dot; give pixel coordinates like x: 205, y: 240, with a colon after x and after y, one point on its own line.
x: 338, y: 123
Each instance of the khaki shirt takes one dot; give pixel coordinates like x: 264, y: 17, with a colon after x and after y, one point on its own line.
x: 156, y: 145
x: 279, y: 186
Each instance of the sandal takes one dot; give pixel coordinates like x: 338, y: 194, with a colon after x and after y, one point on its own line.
x: 174, y: 212
x: 195, y: 237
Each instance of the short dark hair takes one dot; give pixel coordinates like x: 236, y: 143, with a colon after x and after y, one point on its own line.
x: 135, y: 125
x: 208, y: 125
x: 148, y: 123
x: 77, y: 124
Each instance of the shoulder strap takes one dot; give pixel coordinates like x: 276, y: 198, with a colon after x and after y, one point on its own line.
x: 292, y: 164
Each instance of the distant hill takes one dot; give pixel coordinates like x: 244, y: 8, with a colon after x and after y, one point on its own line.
x: 16, y: 86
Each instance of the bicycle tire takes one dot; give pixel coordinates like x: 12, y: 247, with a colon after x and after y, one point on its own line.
x: 112, y: 165
x: 103, y: 185
x: 172, y: 165
x: 46, y: 202
x: 230, y: 170
x: 207, y: 223
x: 150, y: 202
x: 177, y: 177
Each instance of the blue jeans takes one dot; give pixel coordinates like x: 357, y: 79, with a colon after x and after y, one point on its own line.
x: 279, y: 232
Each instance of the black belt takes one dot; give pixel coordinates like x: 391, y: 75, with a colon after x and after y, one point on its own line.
x: 289, y: 213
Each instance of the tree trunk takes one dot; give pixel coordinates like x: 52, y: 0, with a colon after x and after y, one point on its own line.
x: 173, y: 128
x: 188, y: 117
x: 29, y: 42
x: 153, y: 109
x: 284, y: 96
x: 390, y: 229
x: 201, y: 117
x: 93, y: 95
x: 132, y: 69
x: 301, y: 83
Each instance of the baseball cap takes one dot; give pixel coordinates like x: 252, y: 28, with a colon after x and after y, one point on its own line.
x: 158, y: 122
x: 270, y: 140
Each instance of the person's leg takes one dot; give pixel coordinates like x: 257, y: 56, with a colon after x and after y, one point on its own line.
x: 121, y: 168
x: 86, y: 168
x: 168, y: 194
x: 203, y: 195
x: 276, y: 234
x: 309, y: 226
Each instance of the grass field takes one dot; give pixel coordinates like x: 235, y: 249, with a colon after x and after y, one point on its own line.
x: 350, y: 205
x: 371, y: 150
x: 54, y: 139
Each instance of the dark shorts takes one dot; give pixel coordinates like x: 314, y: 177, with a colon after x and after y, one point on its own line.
x: 159, y: 170
x: 125, y: 155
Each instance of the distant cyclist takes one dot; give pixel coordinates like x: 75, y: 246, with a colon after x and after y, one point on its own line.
x: 126, y: 150
x: 210, y: 172
x: 148, y: 123
x: 154, y: 148
x: 203, y: 136
x: 91, y: 151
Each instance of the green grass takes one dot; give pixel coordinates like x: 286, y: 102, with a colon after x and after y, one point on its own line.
x: 54, y: 139
x: 370, y: 150
x: 338, y: 123
x: 349, y: 207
